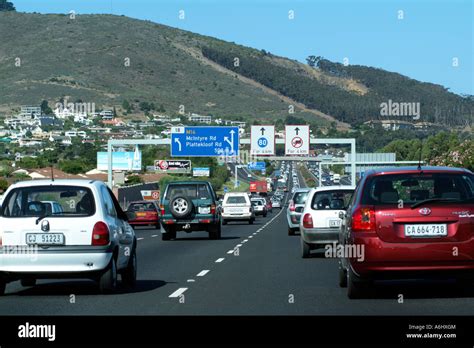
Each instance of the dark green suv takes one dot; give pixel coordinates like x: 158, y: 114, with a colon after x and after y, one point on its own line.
x: 189, y: 206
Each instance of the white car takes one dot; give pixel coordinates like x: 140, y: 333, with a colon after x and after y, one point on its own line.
x: 236, y: 206
x: 87, y: 237
x: 259, y: 206
x: 320, y: 223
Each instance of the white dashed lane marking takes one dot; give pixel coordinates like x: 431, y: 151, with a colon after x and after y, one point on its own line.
x: 178, y: 292
x: 220, y: 260
x: 202, y: 273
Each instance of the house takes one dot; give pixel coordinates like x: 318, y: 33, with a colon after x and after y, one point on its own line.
x: 240, y: 124
x: 75, y: 133
x: 114, y: 122
x: 106, y: 115
x: 200, y: 118
x: 390, y: 124
x: 29, y: 111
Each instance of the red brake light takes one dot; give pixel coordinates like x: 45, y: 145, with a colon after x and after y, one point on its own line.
x: 307, y: 221
x: 100, y: 234
x: 162, y: 209
x: 292, y: 206
x: 363, y: 219
x: 213, y: 209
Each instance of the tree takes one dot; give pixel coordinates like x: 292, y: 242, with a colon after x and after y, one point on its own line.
x: 3, y: 185
x: 6, y: 6
x: 45, y: 109
x: 134, y: 179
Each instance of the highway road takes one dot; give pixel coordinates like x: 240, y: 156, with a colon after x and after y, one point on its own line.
x: 253, y: 270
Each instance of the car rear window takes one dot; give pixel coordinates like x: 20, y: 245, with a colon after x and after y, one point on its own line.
x: 300, y: 197
x: 193, y: 191
x: 142, y: 207
x: 58, y: 201
x: 331, y: 200
x: 236, y: 200
x: 257, y: 202
x: 411, y: 188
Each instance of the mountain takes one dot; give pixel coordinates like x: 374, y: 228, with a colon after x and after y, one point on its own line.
x: 106, y: 59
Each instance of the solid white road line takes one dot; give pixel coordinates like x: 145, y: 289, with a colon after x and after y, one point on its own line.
x: 220, y: 260
x: 178, y: 292
x: 202, y: 273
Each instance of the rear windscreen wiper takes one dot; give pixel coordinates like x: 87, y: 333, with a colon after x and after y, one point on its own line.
x: 434, y: 200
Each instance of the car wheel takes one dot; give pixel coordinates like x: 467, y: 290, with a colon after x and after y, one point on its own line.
x: 3, y: 285
x: 251, y: 221
x: 215, y: 232
x: 129, y: 275
x: 170, y: 233
x: 356, y: 287
x: 224, y: 222
x: 342, y: 276
x: 28, y: 282
x: 305, y: 249
x: 108, y: 280
x: 264, y: 214
x: 157, y: 226
x: 291, y: 232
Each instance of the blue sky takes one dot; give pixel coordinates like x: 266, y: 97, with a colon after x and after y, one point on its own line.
x: 422, y: 45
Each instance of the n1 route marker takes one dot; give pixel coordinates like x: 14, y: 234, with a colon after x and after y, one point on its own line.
x: 262, y: 140
x: 204, y: 141
x: 297, y: 140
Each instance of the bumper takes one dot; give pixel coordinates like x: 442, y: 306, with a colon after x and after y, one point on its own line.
x: 320, y: 235
x: 54, y: 261
x: 143, y: 222
x: 246, y: 216
x: 403, y: 259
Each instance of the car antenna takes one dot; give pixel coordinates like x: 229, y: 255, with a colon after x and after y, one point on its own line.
x: 419, y: 159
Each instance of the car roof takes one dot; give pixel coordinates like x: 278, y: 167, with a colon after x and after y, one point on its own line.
x: 335, y: 188
x: 236, y: 194
x: 141, y: 202
x: 57, y: 182
x: 189, y: 182
x: 302, y: 189
x: 414, y: 169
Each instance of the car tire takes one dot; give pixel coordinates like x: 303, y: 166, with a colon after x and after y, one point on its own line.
x: 108, y: 279
x: 158, y: 226
x: 291, y: 232
x: 129, y: 275
x: 342, y: 276
x: 224, y: 222
x: 3, y: 286
x: 169, y: 234
x: 215, y: 232
x: 251, y: 221
x: 356, y: 287
x: 183, y: 200
x: 305, y: 249
x: 28, y: 282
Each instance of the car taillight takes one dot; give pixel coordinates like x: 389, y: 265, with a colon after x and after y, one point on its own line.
x: 213, y: 209
x: 292, y: 206
x: 100, y: 234
x: 307, y: 221
x: 162, y: 209
x: 363, y: 219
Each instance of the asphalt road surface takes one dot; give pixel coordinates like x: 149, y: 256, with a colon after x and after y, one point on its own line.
x: 253, y: 270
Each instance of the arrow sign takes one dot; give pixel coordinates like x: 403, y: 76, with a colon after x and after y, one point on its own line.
x: 297, y: 140
x: 204, y: 141
x: 262, y: 140
x: 176, y: 140
x: 297, y: 130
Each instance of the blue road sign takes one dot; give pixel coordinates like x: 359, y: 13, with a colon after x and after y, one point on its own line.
x: 204, y: 141
x: 256, y: 166
x: 226, y: 189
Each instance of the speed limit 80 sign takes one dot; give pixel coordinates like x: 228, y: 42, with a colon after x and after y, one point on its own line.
x: 262, y: 140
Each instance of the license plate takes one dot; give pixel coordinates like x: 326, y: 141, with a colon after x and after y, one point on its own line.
x: 45, y: 239
x: 141, y: 214
x: 334, y: 223
x: 235, y: 210
x: 204, y: 210
x: 426, y: 230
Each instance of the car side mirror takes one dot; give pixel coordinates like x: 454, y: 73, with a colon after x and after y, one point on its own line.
x: 342, y: 215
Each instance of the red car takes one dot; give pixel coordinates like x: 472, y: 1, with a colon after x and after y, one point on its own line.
x: 146, y: 213
x: 408, y: 223
x: 269, y: 205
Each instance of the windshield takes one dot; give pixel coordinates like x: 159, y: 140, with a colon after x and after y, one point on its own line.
x: 416, y: 187
x: 48, y: 200
x: 142, y: 207
x: 236, y: 200
x: 331, y: 200
x: 192, y: 191
x: 300, y: 197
